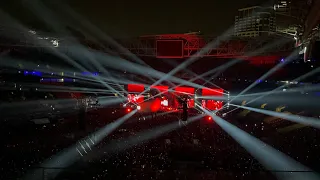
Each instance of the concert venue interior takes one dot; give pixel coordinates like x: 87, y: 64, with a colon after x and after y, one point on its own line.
x: 79, y: 101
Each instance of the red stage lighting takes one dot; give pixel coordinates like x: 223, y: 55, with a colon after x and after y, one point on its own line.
x: 135, y: 88
x: 185, y: 90
x: 212, y: 92
x: 128, y: 110
x: 160, y: 88
x: 209, y: 118
x: 155, y: 105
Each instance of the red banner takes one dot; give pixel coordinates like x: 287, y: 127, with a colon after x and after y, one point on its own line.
x: 135, y: 87
x: 160, y: 88
x: 212, y: 92
x: 185, y: 90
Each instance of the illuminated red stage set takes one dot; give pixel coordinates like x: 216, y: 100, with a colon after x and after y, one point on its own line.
x: 168, y: 99
x: 179, y: 46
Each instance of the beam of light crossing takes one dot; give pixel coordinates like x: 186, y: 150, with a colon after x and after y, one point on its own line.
x: 138, y: 69
x: 95, y: 31
x: 223, y: 67
x: 197, y: 76
x: 71, y: 154
x: 256, y: 96
x: 277, y: 91
x: 225, y: 36
x: 250, y: 54
x: 183, y: 65
x: 267, y: 74
x: 25, y: 109
x: 308, y: 121
x: 142, y: 137
x: 28, y: 108
x: 272, y: 159
x: 226, y: 65
x: 134, y: 68
x: 298, y: 79
x: 313, y: 72
x: 71, y: 88
x: 7, y: 62
x: 52, y: 49
x: 143, y: 118
x: 80, y: 52
x: 106, y: 101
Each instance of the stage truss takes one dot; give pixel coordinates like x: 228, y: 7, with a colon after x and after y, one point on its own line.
x: 213, y: 47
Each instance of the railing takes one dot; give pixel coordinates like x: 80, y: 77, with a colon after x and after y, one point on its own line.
x: 145, y: 173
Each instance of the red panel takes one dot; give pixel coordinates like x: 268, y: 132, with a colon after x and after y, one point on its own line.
x: 160, y: 88
x: 212, y: 104
x: 169, y: 49
x: 135, y: 88
x: 191, y: 103
x: 156, y: 105
x: 212, y: 92
x: 185, y: 90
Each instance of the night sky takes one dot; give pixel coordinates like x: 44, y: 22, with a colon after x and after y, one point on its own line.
x: 133, y: 18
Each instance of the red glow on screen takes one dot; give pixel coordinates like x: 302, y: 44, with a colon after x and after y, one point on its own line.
x: 212, y: 92
x: 212, y: 104
x: 185, y: 90
x: 135, y: 87
x: 191, y: 103
x: 152, y: 105
x: 155, y: 105
x: 160, y: 88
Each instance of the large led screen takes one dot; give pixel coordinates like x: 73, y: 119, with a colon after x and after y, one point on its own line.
x: 169, y: 49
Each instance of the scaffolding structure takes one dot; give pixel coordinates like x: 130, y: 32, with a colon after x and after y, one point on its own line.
x: 212, y: 46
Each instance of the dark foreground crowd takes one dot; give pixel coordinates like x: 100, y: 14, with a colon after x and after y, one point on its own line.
x: 200, y: 150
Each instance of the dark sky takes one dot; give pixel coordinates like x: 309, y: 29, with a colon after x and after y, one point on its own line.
x: 133, y: 18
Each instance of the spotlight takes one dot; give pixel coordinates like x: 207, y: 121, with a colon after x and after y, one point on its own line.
x: 209, y: 118
x: 138, y: 107
x: 128, y: 110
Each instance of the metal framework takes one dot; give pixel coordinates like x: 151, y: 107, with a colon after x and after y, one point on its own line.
x: 230, y: 48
